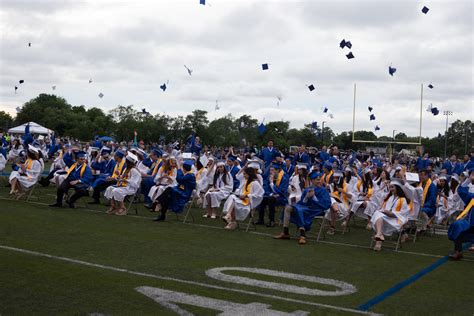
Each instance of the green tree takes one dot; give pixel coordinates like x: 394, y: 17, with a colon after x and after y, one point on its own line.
x: 6, y: 120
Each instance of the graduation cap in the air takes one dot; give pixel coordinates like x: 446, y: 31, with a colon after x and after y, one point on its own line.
x: 425, y: 10
x: 372, y: 117
x: 377, y: 128
x: 435, y: 111
x: 101, y: 95
x: 203, y: 2
x: 311, y: 87
x: 144, y: 111
x: 331, y: 116
x: 217, y: 105
x: 21, y: 81
x: 90, y: 80
x: 325, y: 110
x: 430, y: 86
x: 428, y: 109
x: 163, y: 87
x: 261, y: 128
x: 279, y: 97
x: 190, y: 71
x: 264, y: 66
x: 350, y: 55
x: 314, y: 125
x: 391, y: 70
x: 16, y: 88
x: 370, y: 108
x: 343, y: 44
x: 53, y: 87
x: 29, y: 44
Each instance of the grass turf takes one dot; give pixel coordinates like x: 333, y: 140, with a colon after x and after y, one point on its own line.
x: 37, y: 285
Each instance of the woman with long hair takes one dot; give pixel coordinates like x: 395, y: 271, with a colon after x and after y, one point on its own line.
x: 298, y: 182
x: 220, y: 188
x: 341, y: 196
x: 247, y: 197
x: 444, y: 194
x: 27, y: 174
x: 164, y: 178
x: 128, y: 182
x: 392, y: 215
x: 362, y: 194
x: 381, y: 187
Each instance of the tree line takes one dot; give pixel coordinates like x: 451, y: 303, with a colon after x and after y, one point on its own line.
x: 84, y: 123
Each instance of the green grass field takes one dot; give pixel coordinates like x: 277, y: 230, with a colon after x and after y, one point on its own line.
x: 171, y: 254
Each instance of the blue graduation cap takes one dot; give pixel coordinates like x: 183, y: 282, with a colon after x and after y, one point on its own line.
x: 372, y: 117
x: 203, y: 2
x: 377, y: 128
x: 264, y: 66
x: 325, y: 110
x: 101, y: 95
x: 21, y: 81
x: 314, y: 125
x: 16, y: 88
x: 81, y: 154
x: 425, y: 10
x: 163, y: 87
x: 350, y: 55
x: 391, y: 70
x: 261, y: 128
x: 311, y: 87
x: 435, y: 111
x: 343, y: 44
x: 430, y: 86
x: 370, y: 108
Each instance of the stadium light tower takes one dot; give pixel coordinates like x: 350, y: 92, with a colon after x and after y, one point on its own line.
x: 322, y: 134
x: 393, y: 134
x: 447, y: 114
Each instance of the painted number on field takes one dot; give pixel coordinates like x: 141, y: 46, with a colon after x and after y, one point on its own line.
x: 169, y: 299
x: 342, y: 288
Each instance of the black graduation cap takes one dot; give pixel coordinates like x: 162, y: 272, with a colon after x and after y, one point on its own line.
x: 377, y: 128
x: 342, y: 44
x: 203, y: 2
x: 264, y: 66
x: 350, y: 55
x: 190, y: 71
x: 163, y: 87
x: 311, y: 87
x: 90, y: 80
x: 372, y: 117
x: 430, y: 86
x: 314, y: 125
x: 370, y: 108
x: 391, y: 70
x: 29, y: 44
x: 21, y: 81
x: 435, y: 111
x: 53, y: 87
x: 16, y: 88
x: 101, y: 95
x: 325, y: 110
x: 425, y: 10
x: 349, y: 44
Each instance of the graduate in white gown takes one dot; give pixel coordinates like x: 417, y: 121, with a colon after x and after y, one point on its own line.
x: 381, y: 187
x: 164, y: 178
x: 341, y: 196
x: 27, y: 175
x: 247, y: 197
x: 298, y: 182
x: 128, y: 183
x: 444, y: 193
x: 220, y: 188
x: 392, y: 215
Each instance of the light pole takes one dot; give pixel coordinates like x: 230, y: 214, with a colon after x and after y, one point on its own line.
x: 322, y: 134
x: 447, y: 114
x: 393, y: 134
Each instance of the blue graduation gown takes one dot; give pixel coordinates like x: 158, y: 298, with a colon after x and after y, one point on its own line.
x: 464, y: 224
x: 86, y: 178
x: 268, y: 155
x: 429, y: 207
x: 106, y: 170
x: 233, y: 172
x: 304, y: 212
x: 301, y: 158
x: 451, y: 168
x: 281, y: 189
x: 288, y: 170
x: 68, y: 159
x: 469, y: 165
x: 181, y: 193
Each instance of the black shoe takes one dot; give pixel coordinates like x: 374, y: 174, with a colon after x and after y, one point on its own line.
x: 148, y: 206
x: 271, y: 224
x: 94, y: 202
x: 159, y: 219
x: 259, y: 223
x: 56, y: 205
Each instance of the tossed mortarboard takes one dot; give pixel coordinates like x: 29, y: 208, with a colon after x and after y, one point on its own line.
x: 279, y: 97
x: 21, y: 81
x: 101, y: 95
x: 325, y: 110
x: 53, y: 87
x: 370, y: 108
x: 163, y: 87
x: 331, y: 116
x: 16, y: 88
x: 314, y: 125
x: 349, y: 44
x: 90, y: 80
x: 343, y: 44
x: 377, y: 128
x: 350, y: 55
x: 29, y: 44
x: 264, y: 66
x: 391, y: 70
x: 372, y: 117
x: 435, y: 111
x: 425, y: 10
x: 311, y: 87
x: 261, y: 128
x: 190, y: 71
x: 217, y: 105
x: 428, y: 109
x: 430, y: 86
x: 203, y: 2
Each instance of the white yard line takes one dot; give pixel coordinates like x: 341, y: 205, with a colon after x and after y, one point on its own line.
x: 159, y: 277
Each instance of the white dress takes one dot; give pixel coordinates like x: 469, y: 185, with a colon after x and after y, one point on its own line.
x: 455, y: 203
x: 358, y: 201
x: 342, y: 207
x: 241, y: 210
x: 415, y: 194
x: 205, y: 179
x: 142, y: 168
x: 379, y: 193
x: 119, y: 193
x: 161, y: 185
x: 14, y: 153
x: 32, y: 175
x: 443, y: 208
x: 294, y: 189
x: 222, y: 192
x: 392, y: 224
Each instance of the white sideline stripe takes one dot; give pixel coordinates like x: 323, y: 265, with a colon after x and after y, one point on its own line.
x: 159, y: 277
x: 255, y: 233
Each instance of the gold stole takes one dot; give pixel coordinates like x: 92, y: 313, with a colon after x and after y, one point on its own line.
x: 425, y: 191
x: 327, y: 177
x: 369, y: 191
x: 73, y: 167
x: 247, y: 189
x: 118, y: 167
x: 29, y: 163
x: 466, y: 210
x: 155, y: 170
x: 125, y: 175
x: 280, y: 176
x: 344, y: 197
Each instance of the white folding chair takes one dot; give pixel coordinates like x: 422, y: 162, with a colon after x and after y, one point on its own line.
x: 397, y: 243
x: 188, y: 207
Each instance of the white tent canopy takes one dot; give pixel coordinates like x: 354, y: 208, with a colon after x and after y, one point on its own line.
x: 35, y: 128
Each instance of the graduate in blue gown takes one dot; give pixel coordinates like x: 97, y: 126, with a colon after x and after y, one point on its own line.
x: 315, y: 201
x: 288, y: 166
x: 175, y: 198
x: 275, y: 186
x: 109, y: 169
x: 149, y: 180
x: 268, y: 154
x: 233, y: 166
x: 428, y: 203
x: 462, y: 230
x: 452, y: 166
x: 301, y: 156
x: 79, y: 178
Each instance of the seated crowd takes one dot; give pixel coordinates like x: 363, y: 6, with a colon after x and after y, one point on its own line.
x: 391, y: 195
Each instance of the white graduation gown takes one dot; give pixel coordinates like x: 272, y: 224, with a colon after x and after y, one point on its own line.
x: 3, y: 163
x: 222, y: 192
x: 294, y: 189
x: 161, y: 185
x: 379, y: 193
x: 31, y: 177
x: 119, y: 193
x: 392, y: 224
x: 241, y: 210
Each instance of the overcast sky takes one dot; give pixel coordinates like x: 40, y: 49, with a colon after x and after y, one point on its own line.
x: 130, y: 48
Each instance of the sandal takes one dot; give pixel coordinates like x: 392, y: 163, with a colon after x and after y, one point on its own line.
x: 378, y: 245
x: 121, y: 211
